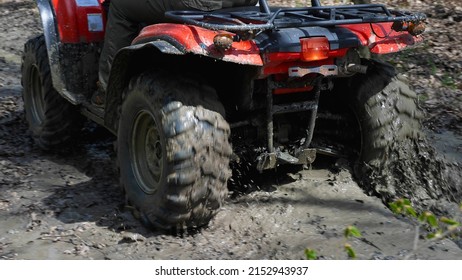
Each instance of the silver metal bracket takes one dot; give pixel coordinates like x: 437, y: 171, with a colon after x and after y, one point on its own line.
x: 325, y: 70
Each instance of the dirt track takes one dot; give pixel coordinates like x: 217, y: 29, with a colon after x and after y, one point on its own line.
x: 68, y: 205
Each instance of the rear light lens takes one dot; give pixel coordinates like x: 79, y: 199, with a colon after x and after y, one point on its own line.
x: 315, y: 48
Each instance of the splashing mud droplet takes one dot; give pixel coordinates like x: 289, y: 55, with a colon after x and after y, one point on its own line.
x: 416, y: 171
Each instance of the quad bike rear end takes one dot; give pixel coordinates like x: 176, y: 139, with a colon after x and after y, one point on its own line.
x: 281, y: 84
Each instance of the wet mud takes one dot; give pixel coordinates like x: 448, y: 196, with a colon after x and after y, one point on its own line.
x: 415, y: 170
x: 69, y: 205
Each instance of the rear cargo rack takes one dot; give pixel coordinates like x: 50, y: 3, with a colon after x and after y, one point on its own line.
x: 266, y: 18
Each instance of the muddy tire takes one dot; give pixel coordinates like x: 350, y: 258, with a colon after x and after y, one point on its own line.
x: 52, y: 120
x: 387, y: 111
x: 389, y: 117
x: 173, y: 151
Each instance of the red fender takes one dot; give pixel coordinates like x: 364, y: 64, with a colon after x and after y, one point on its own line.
x: 198, y: 40
x: 381, y: 38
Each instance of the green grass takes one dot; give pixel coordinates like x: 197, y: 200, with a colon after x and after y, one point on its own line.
x: 448, y: 81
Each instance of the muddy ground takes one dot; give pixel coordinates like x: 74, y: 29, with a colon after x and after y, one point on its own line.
x: 68, y: 205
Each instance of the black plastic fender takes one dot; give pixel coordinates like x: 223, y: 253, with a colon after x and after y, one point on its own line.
x: 52, y: 42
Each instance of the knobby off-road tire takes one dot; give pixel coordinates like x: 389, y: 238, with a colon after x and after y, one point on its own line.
x: 173, y: 151
x: 386, y: 109
x: 396, y: 160
x: 52, y: 120
x: 390, y: 125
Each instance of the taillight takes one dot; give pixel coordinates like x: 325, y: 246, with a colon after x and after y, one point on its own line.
x: 315, y: 48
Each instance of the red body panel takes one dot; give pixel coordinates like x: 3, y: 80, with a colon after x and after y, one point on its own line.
x: 80, y: 21
x: 200, y: 41
x: 381, y: 38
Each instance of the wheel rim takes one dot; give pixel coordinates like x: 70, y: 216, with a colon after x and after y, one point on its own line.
x: 146, y: 152
x: 37, y: 97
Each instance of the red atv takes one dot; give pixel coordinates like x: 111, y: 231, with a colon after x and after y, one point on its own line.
x: 259, y: 77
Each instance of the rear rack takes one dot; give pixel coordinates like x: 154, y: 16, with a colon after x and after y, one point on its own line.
x: 265, y: 18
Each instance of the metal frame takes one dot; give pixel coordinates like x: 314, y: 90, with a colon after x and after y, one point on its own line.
x: 239, y: 20
x: 305, y: 155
